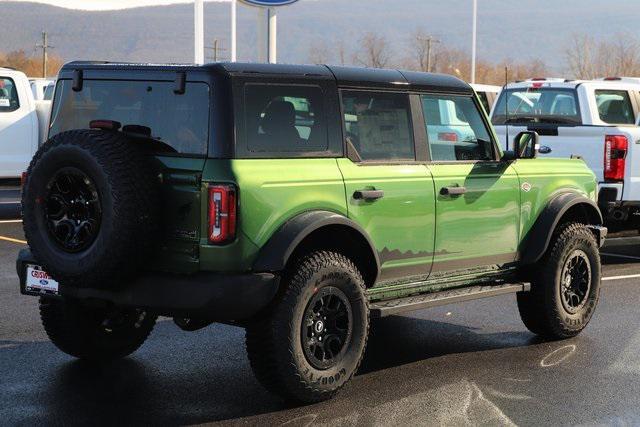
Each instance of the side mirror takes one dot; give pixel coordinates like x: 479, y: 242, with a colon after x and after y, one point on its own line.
x: 525, y: 145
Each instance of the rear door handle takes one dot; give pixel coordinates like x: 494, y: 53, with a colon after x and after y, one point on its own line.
x: 368, y: 194
x: 452, y: 191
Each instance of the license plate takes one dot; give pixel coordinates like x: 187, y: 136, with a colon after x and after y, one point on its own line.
x: 39, y: 281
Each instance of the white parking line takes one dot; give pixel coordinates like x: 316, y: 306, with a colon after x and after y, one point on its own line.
x: 620, y: 256
x: 10, y: 221
x: 628, y: 276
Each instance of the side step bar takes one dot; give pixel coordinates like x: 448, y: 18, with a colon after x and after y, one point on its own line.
x: 419, y: 302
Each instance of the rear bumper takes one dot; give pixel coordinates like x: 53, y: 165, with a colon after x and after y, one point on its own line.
x: 205, y: 295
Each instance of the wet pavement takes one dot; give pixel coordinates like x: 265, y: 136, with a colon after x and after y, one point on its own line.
x: 464, y: 364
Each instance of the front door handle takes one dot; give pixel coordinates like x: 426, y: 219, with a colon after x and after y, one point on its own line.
x: 452, y: 191
x: 368, y: 194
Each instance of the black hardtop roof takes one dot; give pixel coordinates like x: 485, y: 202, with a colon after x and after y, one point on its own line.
x: 354, y: 77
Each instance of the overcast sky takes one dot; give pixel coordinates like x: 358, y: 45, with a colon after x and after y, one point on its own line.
x: 108, y: 4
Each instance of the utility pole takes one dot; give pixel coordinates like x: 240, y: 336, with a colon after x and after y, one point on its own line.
x: 217, y: 47
x: 44, y: 46
x: 429, y: 40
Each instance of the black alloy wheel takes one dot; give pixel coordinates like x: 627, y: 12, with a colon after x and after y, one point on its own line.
x: 72, y: 209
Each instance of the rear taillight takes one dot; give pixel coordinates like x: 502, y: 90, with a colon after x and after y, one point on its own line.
x: 615, y: 152
x: 222, y: 213
x: 448, y: 136
x: 23, y: 179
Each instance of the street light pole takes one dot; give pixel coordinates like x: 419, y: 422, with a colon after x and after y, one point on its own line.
x: 473, y: 41
x: 233, y: 30
x: 198, y: 35
x: 273, y: 35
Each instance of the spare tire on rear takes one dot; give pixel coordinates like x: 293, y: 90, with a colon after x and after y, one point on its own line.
x: 89, y: 207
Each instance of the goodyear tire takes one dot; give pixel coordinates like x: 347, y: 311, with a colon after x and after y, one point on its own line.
x: 89, y: 201
x: 565, y: 285
x: 94, y: 334
x: 312, y: 341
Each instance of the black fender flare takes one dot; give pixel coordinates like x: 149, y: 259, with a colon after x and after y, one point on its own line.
x: 275, y: 254
x: 539, y: 237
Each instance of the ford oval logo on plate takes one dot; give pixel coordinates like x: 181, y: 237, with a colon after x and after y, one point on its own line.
x: 268, y: 3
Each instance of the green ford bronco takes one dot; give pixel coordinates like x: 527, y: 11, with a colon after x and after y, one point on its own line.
x: 297, y: 202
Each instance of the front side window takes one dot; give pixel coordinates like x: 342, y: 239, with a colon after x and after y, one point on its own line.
x: 455, y: 129
x: 179, y: 120
x: 378, y: 125
x: 285, y: 119
x: 614, y: 107
x: 537, y: 105
x: 8, y: 95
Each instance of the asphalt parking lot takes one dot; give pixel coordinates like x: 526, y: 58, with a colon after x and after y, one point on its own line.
x: 464, y: 364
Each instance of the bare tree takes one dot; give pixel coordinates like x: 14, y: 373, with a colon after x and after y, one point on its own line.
x: 581, y: 56
x: 318, y: 53
x: 374, y: 51
x: 618, y: 56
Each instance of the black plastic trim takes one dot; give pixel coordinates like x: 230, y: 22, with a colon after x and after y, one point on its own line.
x: 274, y: 255
x: 537, y: 240
x: 205, y: 295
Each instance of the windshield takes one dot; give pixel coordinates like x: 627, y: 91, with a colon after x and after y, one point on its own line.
x: 179, y: 120
x: 537, y: 105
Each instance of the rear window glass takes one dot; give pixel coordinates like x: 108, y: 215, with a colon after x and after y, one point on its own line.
x: 181, y: 121
x: 8, y: 95
x: 614, y: 106
x: 285, y: 119
x: 378, y: 125
x: 537, y: 105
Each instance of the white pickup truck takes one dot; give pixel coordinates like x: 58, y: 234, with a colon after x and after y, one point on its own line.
x: 23, y: 123
x: 596, y: 120
x: 487, y: 94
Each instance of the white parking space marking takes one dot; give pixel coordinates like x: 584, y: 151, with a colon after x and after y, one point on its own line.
x: 628, y: 276
x: 10, y: 221
x: 620, y: 256
x: 12, y: 240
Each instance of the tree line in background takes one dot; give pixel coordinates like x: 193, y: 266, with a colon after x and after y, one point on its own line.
x: 585, y: 58
x: 31, y: 65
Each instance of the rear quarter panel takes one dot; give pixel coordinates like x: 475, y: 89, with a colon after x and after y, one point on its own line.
x: 270, y: 192
x: 546, y: 178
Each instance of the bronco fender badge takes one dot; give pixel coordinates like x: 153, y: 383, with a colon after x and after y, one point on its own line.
x: 526, y: 187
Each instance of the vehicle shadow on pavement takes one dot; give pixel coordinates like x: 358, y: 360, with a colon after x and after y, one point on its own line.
x: 180, y: 378
x: 399, y: 340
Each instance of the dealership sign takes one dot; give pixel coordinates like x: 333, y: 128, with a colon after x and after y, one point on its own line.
x: 268, y: 3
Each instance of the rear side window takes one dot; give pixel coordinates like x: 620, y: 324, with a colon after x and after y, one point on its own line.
x: 455, y: 129
x: 285, y: 119
x: 8, y: 95
x: 614, y: 107
x: 378, y: 125
x: 179, y: 120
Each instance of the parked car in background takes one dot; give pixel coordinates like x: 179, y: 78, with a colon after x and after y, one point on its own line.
x: 39, y: 88
x: 23, y: 123
x: 596, y: 120
x: 487, y: 94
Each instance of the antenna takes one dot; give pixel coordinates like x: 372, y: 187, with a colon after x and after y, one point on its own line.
x: 506, y: 107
